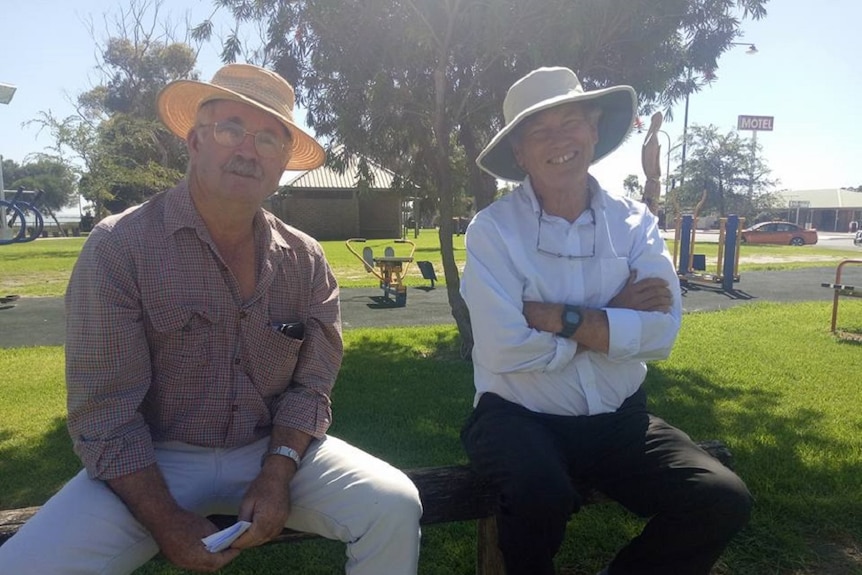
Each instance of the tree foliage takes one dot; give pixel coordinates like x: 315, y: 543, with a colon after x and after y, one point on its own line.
x: 731, y: 170
x: 123, y: 153
x: 414, y: 84
x: 43, y: 172
x: 632, y: 186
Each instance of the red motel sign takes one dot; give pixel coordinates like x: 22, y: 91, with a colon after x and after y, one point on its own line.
x: 763, y: 123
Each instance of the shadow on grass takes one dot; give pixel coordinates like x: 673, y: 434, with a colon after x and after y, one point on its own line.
x: 404, y: 395
x: 31, y: 474
x: 797, y: 472
x: 401, y: 403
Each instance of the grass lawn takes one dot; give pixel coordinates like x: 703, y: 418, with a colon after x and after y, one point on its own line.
x: 786, y: 401
x: 42, y: 268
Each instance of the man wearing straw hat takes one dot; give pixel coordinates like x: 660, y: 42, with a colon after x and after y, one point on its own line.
x: 203, y: 339
x: 570, y: 291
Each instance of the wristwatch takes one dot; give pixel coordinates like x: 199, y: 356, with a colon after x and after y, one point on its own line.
x: 284, y: 451
x: 573, y: 317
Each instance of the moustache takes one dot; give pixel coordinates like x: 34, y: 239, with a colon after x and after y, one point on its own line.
x: 248, y: 168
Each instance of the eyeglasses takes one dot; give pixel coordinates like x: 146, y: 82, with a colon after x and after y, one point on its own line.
x: 559, y: 254
x: 231, y: 135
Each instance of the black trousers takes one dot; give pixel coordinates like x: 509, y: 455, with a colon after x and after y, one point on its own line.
x: 694, y: 503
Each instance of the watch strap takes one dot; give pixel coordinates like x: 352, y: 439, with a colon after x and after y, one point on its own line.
x: 284, y: 451
x: 570, y: 327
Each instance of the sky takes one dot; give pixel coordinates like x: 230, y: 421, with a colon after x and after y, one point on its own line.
x: 806, y: 74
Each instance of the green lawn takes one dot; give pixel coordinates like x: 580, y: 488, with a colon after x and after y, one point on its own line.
x: 42, y: 268
x: 785, y: 399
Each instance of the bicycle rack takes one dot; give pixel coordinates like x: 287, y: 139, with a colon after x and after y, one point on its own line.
x: 17, y: 211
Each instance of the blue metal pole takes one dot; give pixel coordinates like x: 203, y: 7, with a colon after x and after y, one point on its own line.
x: 684, y: 244
x: 730, y: 230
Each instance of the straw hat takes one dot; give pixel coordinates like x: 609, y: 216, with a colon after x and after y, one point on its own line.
x: 178, y: 104
x: 548, y: 87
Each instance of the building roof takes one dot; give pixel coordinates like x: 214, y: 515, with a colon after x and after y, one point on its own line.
x: 328, y: 178
x: 831, y: 198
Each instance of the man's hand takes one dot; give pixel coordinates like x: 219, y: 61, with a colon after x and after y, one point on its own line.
x: 177, y: 531
x: 650, y: 294
x: 179, y: 539
x: 266, y: 503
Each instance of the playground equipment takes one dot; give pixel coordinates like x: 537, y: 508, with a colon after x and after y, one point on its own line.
x: 691, y: 267
x: 389, y: 269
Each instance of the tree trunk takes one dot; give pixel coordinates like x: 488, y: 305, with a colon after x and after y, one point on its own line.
x: 483, y: 186
x: 444, y: 188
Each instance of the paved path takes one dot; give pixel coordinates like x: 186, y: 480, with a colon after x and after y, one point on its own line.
x: 40, y: 321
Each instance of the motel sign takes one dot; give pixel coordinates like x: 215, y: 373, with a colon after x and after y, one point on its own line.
x: 763, y: 123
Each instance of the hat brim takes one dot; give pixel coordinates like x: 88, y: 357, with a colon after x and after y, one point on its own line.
x: 619, y: 109
x: 178, y: 105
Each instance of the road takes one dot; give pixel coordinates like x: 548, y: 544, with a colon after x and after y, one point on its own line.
x: 836, y: 240
x: 41, y: 321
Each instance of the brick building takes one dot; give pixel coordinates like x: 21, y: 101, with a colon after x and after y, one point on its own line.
x: 328, y: 205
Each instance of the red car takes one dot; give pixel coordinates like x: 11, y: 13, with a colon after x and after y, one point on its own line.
x: 782, y: 233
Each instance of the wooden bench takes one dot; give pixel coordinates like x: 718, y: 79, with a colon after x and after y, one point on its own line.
x: 448, y: 494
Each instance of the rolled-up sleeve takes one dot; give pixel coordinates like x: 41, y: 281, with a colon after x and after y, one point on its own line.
x: 641, y: 335
x: 107, y: 361
x: 493, y: 287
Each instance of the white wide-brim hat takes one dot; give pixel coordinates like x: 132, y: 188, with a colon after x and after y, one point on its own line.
x: 178, y: 104
x: 548, y: 87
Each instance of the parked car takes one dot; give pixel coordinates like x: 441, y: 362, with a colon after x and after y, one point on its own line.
x: 857, y: 240
x: 783, y: 233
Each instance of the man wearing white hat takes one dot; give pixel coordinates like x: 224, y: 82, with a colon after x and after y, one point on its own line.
x: 203, y: 339
x: 570, y: 291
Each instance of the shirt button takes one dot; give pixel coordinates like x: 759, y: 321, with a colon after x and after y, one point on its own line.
x: 243, y: 314
x: 237, y: 361
x: 234, y: 408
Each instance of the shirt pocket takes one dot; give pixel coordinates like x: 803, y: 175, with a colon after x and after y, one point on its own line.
x: 181, y: 339
x: 181, y: 336
x: 276, y: 362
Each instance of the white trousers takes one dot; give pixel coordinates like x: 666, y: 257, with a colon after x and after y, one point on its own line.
x: 339, y: 492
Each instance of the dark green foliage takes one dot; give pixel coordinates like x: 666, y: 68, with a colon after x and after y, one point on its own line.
x: 730, y: 169
x: 47, y: 173
x: 126, y: 154
x: 418, y: 86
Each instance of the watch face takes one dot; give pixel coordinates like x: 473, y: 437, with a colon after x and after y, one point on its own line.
x: 572, y: 316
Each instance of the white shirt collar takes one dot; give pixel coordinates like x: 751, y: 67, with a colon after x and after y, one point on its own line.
x: 597, y: 194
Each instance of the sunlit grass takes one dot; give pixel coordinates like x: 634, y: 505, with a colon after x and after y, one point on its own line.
x: 42, y: 268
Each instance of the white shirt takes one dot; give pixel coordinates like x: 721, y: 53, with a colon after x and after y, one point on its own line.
x: 539, y: 370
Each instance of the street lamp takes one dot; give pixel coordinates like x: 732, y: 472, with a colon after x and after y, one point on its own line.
x: 667, y: 169
x: 752, y: 49
x: 685, y: 129
x: 6, y: 93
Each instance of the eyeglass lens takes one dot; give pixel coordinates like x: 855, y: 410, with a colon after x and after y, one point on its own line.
x: 232, y: 134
